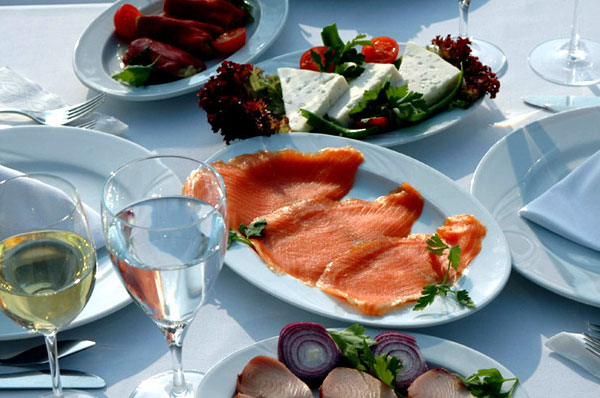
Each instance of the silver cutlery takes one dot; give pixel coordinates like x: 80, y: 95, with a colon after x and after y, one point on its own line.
x: 34, y: 379
x: 592, y: 339
x: 38, y: 354
x: 90, y: 125
x: 559, y: 103
x: 61, y: 116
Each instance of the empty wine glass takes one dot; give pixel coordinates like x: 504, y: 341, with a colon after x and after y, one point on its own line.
x: 570, y: 61
x: 489, y: 54
x: 47, y: 260
x: 168, y: 249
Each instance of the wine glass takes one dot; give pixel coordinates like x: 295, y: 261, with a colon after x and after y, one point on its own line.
x: 47, y: 259
x: 570, y: 61
x: 168, y: 249
x: 489, y: 54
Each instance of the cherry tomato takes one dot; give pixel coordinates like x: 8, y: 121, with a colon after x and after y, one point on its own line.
x: 383, y: 122
x: 125, y: 20
x: 230, y: 41
x: 383, y: 51
x: 306, y: 61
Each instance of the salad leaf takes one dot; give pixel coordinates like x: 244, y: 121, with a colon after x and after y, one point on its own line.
x: 487, y: 383
x: 344, y: 57
x: 135, y: 75
x: 253, y: 230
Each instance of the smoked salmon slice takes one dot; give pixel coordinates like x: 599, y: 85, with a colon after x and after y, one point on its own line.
x: 377, y: 276
x: 300, y: 240
x: 260, y: 183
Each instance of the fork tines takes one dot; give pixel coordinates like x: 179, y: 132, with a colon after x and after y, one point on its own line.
x: 85, y: 107
x: 592, y: 344
x: 593, y: 328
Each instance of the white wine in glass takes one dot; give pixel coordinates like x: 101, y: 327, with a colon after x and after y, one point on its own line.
x: 168, y: 249
x: 570, y: 61
x: 47, y: 260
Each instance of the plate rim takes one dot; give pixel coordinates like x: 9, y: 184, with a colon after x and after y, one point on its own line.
x: 177, y: 87
x: 533, y: 277
x: 50, y: 132
x: 474, y: 206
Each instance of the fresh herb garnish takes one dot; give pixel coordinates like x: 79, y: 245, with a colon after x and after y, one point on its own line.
x: 487, y: 383
x: 253, y: 230
x: 135, y: 75
x: 436, y: 246
x: 356, y: 349
x: 343, y: 57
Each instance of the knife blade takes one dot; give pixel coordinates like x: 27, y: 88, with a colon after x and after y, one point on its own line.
x: 559, y: 103
x: 33, y: 379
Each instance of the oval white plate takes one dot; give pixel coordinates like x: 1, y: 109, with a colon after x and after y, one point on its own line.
x: 85, y: 158
x: 221, y: 378
x: 382, y: 171
x: 426, y: 128
x: 520, y: 167
x: 98, y: 51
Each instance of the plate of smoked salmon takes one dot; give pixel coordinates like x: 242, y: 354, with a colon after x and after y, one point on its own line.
x: 519, y: 168
x: 347, y: 229
x: 221, y: 379
x: 100, y: 52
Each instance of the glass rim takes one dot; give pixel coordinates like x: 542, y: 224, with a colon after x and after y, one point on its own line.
x: 113, y: 174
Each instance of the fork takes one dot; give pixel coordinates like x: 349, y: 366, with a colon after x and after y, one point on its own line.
x: 61, y: 116
x: 592, y: 339
x: 86, y: 125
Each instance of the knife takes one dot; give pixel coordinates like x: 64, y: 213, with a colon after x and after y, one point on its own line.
x: 559, y: 103
x: 33, y: 379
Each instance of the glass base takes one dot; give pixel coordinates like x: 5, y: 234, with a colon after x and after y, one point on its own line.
x: 159, y: 386
x: 489, y: 54
x: 551, y: 61
x: 70, y: 394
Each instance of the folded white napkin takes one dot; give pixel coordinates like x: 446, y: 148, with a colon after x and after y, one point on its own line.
x: 40, y: 194
x: 571, y: 208
x: 19, y: 92
x: 571, y: 346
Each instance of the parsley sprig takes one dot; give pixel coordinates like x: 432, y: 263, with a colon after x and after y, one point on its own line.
x: 436, y: 246
x: 487, y: 383
x: 356, y: 349
x: 136, y: 75
x: 343, y: 57
x: 253, y: 230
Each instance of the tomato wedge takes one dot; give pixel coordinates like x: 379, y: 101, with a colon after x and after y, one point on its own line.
x: 230, y: 41
x: 125, y: 21
x: 383, y: 51
x: 306, y: 61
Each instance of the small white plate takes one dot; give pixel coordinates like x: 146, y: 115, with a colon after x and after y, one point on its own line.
x: 85, y: 158
x: 520, y: 167
x: 382, y: 171
x: 221, y: 378
x: 426, y: 128
x: 98, y: 51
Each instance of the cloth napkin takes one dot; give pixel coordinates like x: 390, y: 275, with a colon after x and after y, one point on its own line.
x: 40, y: 194
x: 16, y: 91
x: 572, y: 347
x: 571, y: 207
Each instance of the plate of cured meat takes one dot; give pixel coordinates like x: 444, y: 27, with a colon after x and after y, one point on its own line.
x: 174, y: 41
x: 349, y: 228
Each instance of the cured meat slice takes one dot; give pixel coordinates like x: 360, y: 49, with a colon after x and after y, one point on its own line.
x: 349, y: 383
x: 302, y: 239
x: 266, y: 377
x: 378, y: 276
x: 438, y: 383
x: 260, y: 183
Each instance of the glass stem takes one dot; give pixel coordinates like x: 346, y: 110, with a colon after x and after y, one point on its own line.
x: 175, y: 340
x: 51, y: 346
x: 574, y: 50
x: 463, y: 18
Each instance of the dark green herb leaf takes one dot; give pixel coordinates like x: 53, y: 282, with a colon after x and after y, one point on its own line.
x: 233, y: 236
x: 254, y: 230
x: 463, y: 298
x: 135, y: 75
x: 345, y: 59
x: 487, y: 383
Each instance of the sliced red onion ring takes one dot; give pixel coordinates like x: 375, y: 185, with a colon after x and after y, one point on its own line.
x: 405, y: 348
x: 308, y: 350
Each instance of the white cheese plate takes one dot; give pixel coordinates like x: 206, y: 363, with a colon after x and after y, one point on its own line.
x: 426, y: 128
x: 382, y: 171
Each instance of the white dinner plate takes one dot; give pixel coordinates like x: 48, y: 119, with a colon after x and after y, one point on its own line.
x: 98, y: 51
x: 85, y: 158
x: 382, y: 171
x: 426, y: 128
x: 221, y: 378
x: 520, y: 167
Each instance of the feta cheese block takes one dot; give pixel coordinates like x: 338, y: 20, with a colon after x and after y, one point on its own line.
x: 372, y: 76
x: 427, y: 73
x: 310, y: 90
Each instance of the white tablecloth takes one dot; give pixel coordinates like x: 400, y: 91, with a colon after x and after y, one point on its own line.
x: 37, y: 40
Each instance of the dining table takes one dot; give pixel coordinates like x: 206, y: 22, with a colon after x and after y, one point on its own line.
x: 37, y: 40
